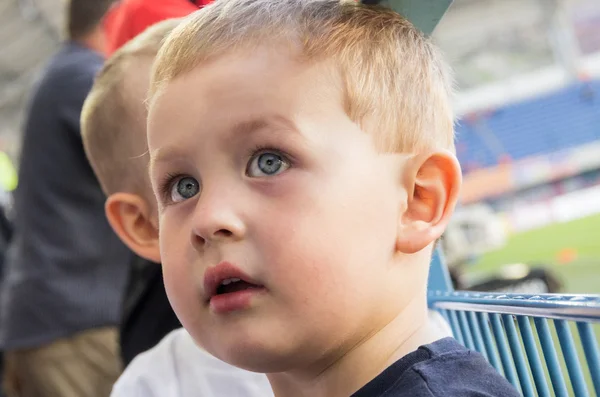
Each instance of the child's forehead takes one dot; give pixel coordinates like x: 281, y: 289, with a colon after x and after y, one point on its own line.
x: 248, y: 66
x: 221, y: 105
x: 249, y: 86
x: 267, y: 69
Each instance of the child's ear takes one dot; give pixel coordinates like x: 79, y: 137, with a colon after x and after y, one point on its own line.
x: 130, y: 217
x: 432, y: 182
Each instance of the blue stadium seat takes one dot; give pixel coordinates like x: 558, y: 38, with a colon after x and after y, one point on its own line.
x: 563, y: 119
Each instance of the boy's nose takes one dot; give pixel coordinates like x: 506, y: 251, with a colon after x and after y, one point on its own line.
x: 215, y: 220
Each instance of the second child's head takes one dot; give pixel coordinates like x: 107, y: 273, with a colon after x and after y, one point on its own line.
x: 302, y: 160
x: 114, y: 137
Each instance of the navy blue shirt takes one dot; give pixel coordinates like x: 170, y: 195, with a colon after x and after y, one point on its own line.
x: 66, y: 270
x: 148, y: 316
x: 444, y: 368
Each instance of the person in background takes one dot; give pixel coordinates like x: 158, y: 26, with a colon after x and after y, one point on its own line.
x: 66, y: 270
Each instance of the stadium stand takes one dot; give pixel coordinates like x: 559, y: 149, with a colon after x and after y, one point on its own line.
x: 563, y: 119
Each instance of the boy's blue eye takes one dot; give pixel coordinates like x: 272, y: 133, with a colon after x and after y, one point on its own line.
x: 184, y: 188
x: 267, y: 164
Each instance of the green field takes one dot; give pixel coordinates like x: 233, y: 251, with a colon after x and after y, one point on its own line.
x: 543, y: 246
x: 580, y: 274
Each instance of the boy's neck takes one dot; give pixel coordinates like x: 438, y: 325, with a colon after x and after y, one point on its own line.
x: 352, y: 370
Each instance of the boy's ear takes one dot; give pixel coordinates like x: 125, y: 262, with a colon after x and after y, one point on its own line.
x: 130, y: 217
x: 432, y: 182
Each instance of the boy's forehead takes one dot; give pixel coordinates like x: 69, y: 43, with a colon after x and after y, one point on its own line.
x: 261, y: 88
x: 232, y: 77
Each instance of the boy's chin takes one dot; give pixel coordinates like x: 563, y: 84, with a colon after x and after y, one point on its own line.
x: 258, y: 357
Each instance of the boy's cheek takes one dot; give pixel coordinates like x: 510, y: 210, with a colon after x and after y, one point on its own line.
x: 174, y: 253
x: 182, y: 287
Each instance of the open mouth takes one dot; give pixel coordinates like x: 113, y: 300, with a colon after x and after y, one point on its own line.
x: 228, y: 288
x: 231, y: 285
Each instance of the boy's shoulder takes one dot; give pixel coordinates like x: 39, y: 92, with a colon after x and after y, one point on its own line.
x: 176, y: 367
x: 442, y: 368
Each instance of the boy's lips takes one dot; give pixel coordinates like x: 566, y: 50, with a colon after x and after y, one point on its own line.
x: 227, y: 288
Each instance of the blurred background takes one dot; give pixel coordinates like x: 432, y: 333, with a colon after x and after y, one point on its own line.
x: 528, y: 136
x: 528, y: 79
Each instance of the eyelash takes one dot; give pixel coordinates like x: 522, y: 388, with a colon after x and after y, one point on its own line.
x: 166, y: 184
x: 259, y: 149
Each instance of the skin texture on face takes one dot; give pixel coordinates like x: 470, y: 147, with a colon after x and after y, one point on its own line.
x: 320, y: 233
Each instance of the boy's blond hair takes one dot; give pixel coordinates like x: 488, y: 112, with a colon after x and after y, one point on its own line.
x: 113, y: 119
x: 395, y: 84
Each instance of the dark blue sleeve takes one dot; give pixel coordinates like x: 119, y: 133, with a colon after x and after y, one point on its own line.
x: 411, y: 384
x: 465, y: 374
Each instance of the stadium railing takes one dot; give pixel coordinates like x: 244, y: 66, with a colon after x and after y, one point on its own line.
x: 511, y: 329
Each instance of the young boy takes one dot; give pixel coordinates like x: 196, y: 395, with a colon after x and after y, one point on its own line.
x: 302, y: 156
x: 147, y: 315
x: 114, y: 136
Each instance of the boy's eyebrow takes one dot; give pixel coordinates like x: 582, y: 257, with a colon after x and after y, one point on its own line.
x: 250, y: 126
x: 241, y: 129
x: 163, y: 154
